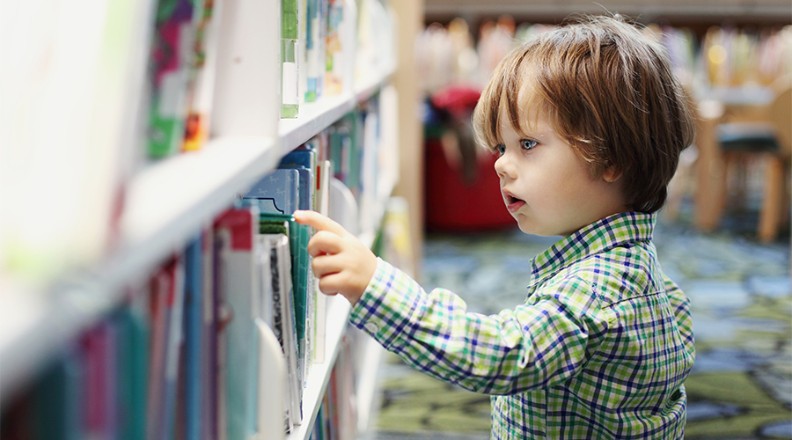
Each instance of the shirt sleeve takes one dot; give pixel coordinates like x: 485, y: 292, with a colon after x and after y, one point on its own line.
x: 531, y: 346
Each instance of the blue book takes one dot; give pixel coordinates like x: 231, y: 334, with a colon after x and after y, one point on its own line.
x: 276, y: 193
x: 193, y: 326
x: 304, y: 161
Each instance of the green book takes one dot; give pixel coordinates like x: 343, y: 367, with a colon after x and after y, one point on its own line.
x: 299, y: 235
x: 290, y: 100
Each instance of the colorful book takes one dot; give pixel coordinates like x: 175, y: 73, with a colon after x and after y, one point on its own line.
x: 201, y: 74
x: 172, y: 42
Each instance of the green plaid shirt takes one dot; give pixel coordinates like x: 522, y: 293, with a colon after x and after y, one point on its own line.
x: 599, y: 350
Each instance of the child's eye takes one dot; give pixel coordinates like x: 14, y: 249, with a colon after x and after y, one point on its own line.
x: 527, y: 144
x: 499, y: 149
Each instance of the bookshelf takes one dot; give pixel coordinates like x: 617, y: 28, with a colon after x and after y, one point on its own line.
x: 767, y: 11
x: 165, y: 205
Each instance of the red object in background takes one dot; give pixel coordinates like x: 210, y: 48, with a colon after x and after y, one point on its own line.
x: 455, y: 206
x: 459, y: 101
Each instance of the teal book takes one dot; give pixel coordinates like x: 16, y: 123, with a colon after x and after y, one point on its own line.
x: 132, y: 354
x: 299, y: 235
x: 57, y: 398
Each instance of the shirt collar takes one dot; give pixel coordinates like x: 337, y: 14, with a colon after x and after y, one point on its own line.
x: 602, y: 235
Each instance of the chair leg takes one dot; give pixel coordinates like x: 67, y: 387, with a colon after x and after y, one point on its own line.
x: 773, y: 200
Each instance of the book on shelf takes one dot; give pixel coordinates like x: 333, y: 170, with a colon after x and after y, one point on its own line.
x: 284, y: 327
x: 188, y: 351
x: 172, y: 44
x: 190, y: 371
x: 339, y: 46
x: 236, y: 229
x: 133, y: 336
x: 275, y: 193
x: 201, y: 73
x: 290, y: 67
x: 166, y: 289
x: 314, y: 47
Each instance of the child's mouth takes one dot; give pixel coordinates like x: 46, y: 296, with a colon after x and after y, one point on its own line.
x: 513, y: 203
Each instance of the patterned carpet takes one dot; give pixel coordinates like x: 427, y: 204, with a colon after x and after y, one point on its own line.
x: 741, y: 385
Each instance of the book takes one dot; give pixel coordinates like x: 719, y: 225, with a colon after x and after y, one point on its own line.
x: 98, y: 346
x: 284, y: 319
x: 290, y: 23
x: 313, y: 51
x: 272, y: 379
x: 175, y: 322
x: 159, y: 287
x: 303, y: 160
x: 173, y: 38
x: 237, y: 228
x: 56, y: 399
x: 203, y: 60
x: 275, y: 193
x: 132, y: 353
x: 193, y: 323
x: 301, y: 276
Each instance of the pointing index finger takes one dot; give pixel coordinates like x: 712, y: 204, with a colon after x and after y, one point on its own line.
x: 318, y: 222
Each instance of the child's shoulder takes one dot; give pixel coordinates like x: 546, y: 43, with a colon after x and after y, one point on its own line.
x: 609, y: 277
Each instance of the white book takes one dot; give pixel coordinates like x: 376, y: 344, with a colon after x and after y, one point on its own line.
x: 283, y: 320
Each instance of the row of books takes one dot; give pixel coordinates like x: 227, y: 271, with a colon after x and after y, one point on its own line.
x: 733, y: 57
x: 318, y: 57
x: 721, y: 57
x: 329, y: 44
x: 180, y: 358
x: 337, y: 416
x: 122, y: 85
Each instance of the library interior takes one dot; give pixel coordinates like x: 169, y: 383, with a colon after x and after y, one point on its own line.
x: 173, y: 295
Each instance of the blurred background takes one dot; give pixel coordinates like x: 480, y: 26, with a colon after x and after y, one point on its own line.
x: 724, y: 234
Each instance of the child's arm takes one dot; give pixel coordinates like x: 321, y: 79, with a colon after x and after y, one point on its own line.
x: 529, y: 347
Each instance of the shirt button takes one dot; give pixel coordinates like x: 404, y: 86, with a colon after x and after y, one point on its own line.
x: 372, y: 327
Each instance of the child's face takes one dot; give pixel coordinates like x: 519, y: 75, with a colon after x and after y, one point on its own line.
x: 546, y: 186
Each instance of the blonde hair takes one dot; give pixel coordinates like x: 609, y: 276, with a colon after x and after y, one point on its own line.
x: 609, y: 92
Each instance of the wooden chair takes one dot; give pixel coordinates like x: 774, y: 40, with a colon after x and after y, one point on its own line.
x: 746, y: 137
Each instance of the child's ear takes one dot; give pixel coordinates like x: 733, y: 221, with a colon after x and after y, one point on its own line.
x: 611, y: 174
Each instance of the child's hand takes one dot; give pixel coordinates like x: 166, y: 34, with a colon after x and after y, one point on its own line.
x: 340, y: 261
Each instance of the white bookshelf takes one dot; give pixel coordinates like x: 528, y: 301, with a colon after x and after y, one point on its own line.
x: 167, y: 203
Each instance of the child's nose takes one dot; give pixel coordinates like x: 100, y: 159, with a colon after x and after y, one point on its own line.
x: 504, y: 167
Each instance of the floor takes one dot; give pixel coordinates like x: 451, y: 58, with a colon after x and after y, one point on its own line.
x: 740, y: 387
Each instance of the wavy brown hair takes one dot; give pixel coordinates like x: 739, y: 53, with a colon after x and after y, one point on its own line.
x: 608, y: 90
